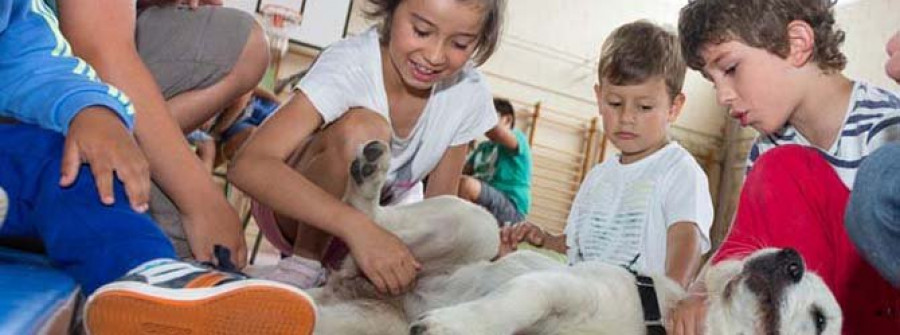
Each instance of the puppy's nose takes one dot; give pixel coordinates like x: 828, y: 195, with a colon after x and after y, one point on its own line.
x: 792, y: 264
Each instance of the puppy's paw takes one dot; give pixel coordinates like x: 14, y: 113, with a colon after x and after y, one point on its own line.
x: 428, y: 326
x: 445, y: 322
x: 372, y: 162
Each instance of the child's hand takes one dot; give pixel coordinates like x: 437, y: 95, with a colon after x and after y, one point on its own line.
x: 216, y: 223
x: 384, y: 259
x: 523, y: 231
x: 688, y: 317
x: 893, y: 64
x: 98, y: 138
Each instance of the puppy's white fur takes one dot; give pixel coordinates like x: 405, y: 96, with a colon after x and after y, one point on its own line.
x: 459, y: 291
x: 740, y: 311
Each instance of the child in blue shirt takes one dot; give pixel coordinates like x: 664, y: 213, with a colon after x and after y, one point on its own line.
x: 74, y: 146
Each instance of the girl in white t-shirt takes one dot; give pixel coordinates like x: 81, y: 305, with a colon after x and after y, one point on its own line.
x: 649, y: 208
x: 412, y: 83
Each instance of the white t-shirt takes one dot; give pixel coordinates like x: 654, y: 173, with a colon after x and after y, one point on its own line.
x: 349, y: 74
x: 622, y: 211
x: 872, y: 120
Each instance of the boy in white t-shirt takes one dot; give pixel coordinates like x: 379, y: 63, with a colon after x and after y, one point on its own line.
x: 411, y: 83
x: 649, y: 208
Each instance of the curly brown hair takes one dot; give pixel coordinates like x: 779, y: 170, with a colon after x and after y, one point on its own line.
x: 639, y: 51
x: 760, y: 24
x: 488, y: 39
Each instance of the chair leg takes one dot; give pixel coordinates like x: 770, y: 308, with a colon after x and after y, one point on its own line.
x: 256, y: 247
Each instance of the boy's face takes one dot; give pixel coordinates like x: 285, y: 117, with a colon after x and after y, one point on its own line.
x: 636, y: 117
x: 755, y: 85
x: 432, y: 40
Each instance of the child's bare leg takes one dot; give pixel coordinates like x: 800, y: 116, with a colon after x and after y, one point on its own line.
x: 191, y: 108
x: 469, y: 188
x: 325, y: 161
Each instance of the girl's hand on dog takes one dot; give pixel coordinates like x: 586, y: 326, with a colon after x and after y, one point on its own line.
x: 384, y: 259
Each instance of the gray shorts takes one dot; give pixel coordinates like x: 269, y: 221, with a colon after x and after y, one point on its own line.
x: 190, y: 49
x: 499, y: 205
x: 187, y: 50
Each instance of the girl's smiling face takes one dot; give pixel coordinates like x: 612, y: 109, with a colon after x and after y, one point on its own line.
x: 432, y: 40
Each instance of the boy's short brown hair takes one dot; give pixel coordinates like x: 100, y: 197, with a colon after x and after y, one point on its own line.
x: 494, y: 12
x: 639, y: 51
x: 759, y: 24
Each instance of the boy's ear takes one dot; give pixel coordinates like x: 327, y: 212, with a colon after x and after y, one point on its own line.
x: 597, y: 91
x: 802, y: 42
x: 677, y: 105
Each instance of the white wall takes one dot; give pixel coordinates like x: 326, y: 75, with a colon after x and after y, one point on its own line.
x: 868, y: 25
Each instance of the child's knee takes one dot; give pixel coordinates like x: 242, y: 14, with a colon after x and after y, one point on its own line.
x: 346, y: 136
x: 256, y: 52
x: 880, y: 168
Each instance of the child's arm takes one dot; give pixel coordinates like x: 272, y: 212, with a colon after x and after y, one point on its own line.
x: 42, y: 84
x: 893, y: 64
x: 504, y: 136
x: 688, y: 317
x: 260, y: 170
x: 110, y: 47
x: 682, y: 252
x: 444, y: 178
x: 534, y: 235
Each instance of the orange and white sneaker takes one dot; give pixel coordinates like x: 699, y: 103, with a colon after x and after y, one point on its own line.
x: 173, y: 297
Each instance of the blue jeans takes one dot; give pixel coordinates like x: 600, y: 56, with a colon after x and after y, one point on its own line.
x: 873, y: 214
x: 92, y: 242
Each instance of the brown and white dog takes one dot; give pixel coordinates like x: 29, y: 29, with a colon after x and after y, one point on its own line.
x: 460, y: 291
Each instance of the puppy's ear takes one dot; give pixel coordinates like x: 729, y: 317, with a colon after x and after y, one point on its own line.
x: 719, y: 275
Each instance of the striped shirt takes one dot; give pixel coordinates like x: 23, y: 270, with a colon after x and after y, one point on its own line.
x: 872, y: 120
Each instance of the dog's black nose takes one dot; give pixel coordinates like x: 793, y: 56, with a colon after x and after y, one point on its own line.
x: 792, y: 264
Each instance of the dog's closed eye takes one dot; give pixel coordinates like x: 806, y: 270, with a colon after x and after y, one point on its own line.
x: 818, y: 318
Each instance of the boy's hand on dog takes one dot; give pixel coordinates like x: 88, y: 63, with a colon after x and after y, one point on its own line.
x: 98, y: 137
x: 384, y: 259
x: 525, y: 231
x: 893, y: 64
x: 688, y: 317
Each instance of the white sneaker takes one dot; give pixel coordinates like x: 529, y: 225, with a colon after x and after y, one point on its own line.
x: 298, y: 271
x: 173, y: 297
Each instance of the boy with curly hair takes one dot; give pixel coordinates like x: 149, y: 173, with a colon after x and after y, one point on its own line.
x: 776, y: 66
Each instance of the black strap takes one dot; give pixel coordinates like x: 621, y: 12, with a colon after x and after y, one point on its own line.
x: 652, y: 315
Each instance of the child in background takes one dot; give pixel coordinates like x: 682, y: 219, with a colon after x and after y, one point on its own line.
x: 649, y: 208
x: 776, y: 66
x: 411, y: 83
x: 499, y: 170
x: 67, y: 175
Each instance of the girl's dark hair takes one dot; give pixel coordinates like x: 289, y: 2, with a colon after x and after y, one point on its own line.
x: 760, y: 24
x: 488, y: 38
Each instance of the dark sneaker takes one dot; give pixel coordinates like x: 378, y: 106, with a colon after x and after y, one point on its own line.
x: 173, y: 297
